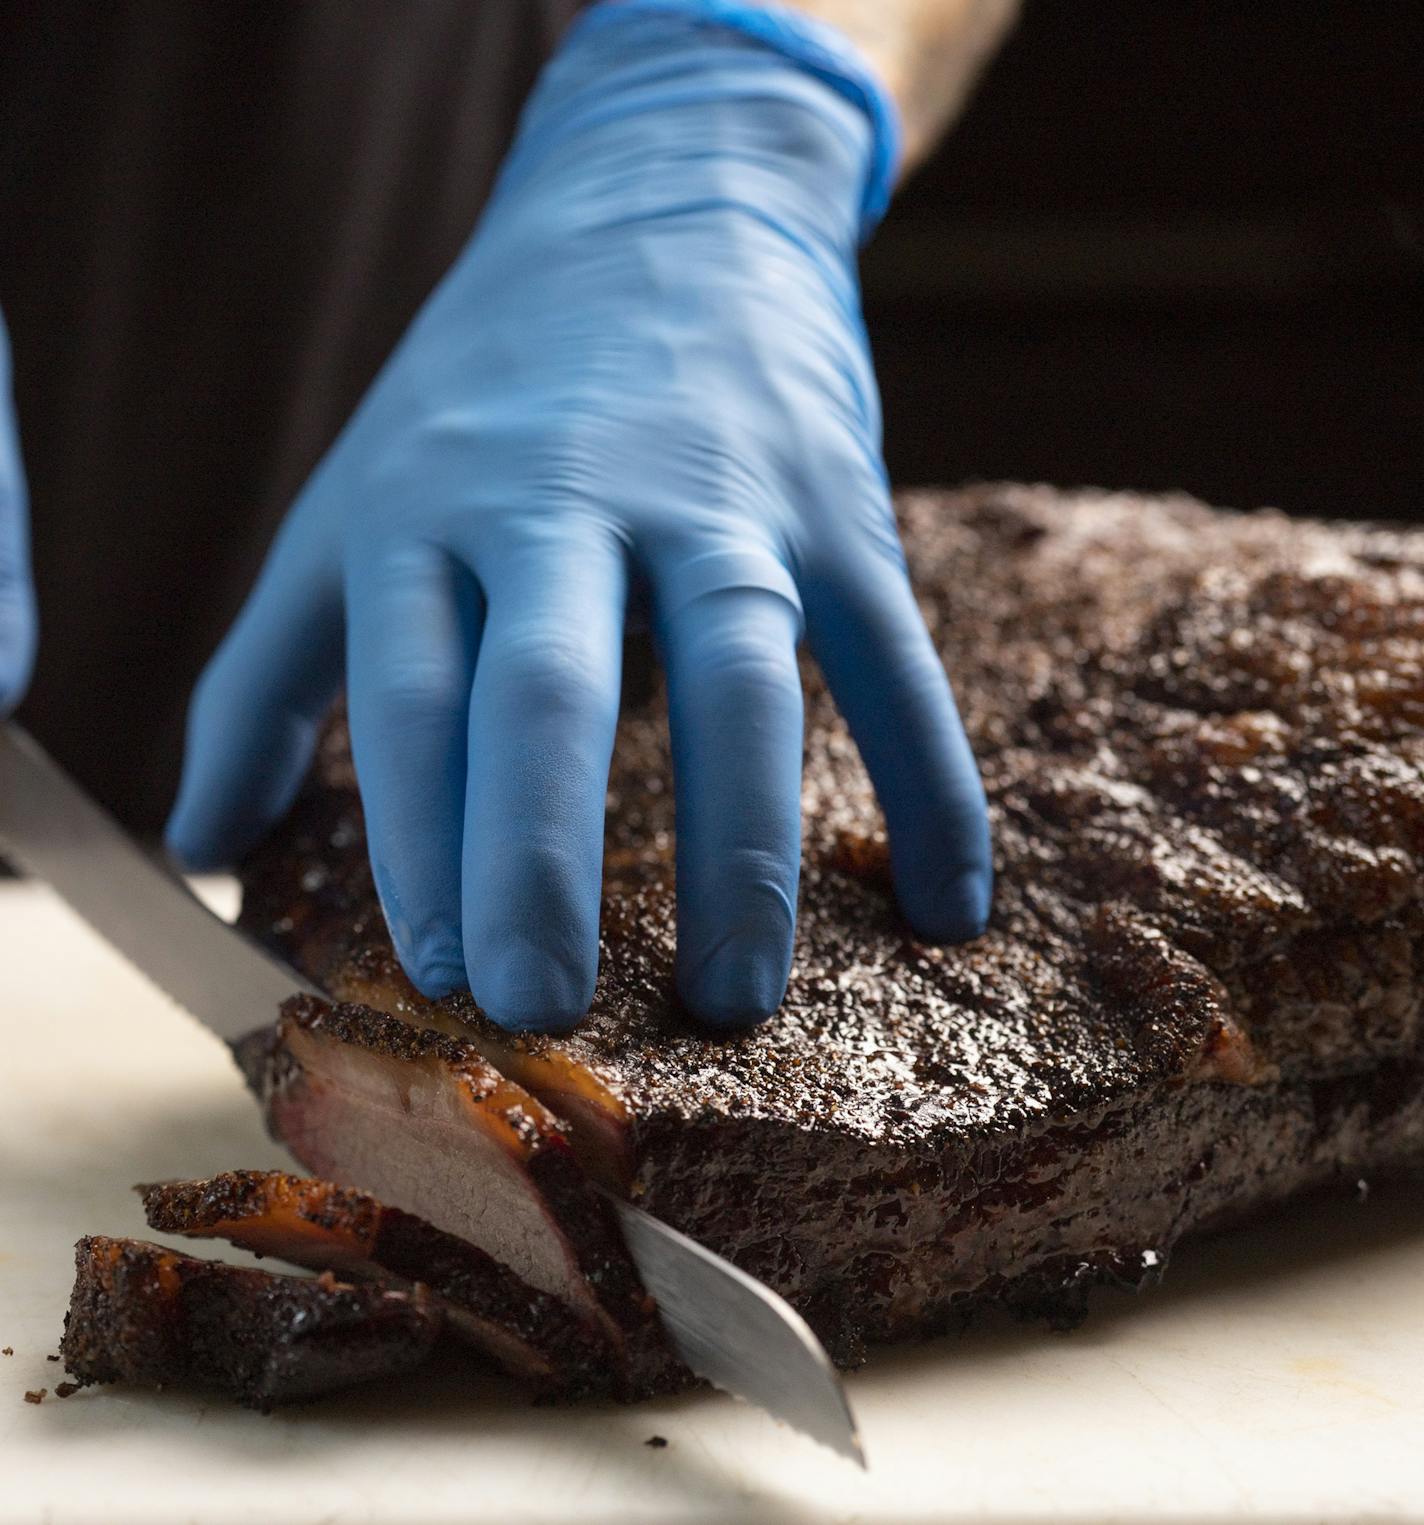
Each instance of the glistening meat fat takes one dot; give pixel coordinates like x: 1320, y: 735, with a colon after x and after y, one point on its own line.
x: 423, y: 1121
x: 529, y: 1334
x: 1202, y: 736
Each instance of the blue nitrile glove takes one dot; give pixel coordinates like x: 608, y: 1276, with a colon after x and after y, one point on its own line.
x: 17, y: 593
x: 644, y: 379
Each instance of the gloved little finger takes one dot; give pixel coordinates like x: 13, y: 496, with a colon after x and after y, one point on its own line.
x: 865, y: 630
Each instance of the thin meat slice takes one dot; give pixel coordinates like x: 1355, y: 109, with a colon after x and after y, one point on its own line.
x: 421, y: 1120
x: 528, y: 1333
x: 141, y: 1313
x: 597, y: 1122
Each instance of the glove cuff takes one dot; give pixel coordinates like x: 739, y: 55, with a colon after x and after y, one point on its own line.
x: 815, y: 46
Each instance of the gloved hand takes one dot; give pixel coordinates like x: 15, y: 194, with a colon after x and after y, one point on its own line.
x: 644, y: 379
x: 17, y: 594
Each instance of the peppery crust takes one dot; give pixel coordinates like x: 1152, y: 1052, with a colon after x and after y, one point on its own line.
x: 1202, y: 738
x: 279, y: 1068
x: 144, y: 1314
x: 317, y: 1224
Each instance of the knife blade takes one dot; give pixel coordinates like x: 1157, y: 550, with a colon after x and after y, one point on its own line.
x: 53, y: 830
x: 738, y: 1334
x: 728, y: 1327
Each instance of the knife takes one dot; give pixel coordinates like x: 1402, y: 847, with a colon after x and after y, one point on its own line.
x: 728, y: 1327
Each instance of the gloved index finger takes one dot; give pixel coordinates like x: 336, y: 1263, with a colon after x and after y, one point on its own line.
x: 542, y: 717
x: 413, y: 624
x: 735, y: 711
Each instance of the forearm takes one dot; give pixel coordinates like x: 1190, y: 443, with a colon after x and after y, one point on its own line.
x: 929, y: 52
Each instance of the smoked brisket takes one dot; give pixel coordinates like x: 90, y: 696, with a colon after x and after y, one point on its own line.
x: 422, y: 1120
x: 527, y: 1333
x: 1202, y: 736
x: 143, y: 1314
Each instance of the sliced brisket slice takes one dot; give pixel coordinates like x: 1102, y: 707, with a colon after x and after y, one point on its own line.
x: 528, y: 1333
x: 422, y: 1121
x: 596, y: 1119
x: 1202, y: 737
x: 141, y: 1313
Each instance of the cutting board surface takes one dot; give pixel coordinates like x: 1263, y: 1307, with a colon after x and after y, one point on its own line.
x: 1277, y: 1375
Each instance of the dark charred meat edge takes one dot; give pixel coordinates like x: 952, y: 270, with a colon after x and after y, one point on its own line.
x: 1202, y: 737
x: 527, y: 1333
x: 375, y: 1103
x: 143, y: 1314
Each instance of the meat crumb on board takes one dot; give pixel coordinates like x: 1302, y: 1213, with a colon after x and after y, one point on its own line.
x: 657, y: 1442
x: 36, y: 1396
x: 65, y: 1389
x: 9, y: 1350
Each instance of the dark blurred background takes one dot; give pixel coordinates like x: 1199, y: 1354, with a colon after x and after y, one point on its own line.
x: 1170, y: 246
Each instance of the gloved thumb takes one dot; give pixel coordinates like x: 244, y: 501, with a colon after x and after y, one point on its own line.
x: 18, y: 623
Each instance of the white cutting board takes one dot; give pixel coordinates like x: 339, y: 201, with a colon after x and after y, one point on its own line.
x: 1279, y: 1373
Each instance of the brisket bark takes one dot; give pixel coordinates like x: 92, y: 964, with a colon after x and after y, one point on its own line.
x: 317, y: 1224
x: 143, y: 1314
x: 1202, y: 737
x: 424, y: 1122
